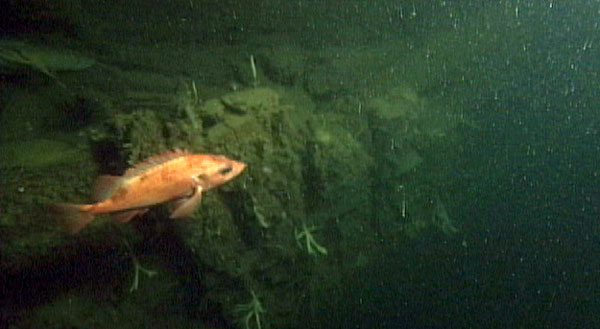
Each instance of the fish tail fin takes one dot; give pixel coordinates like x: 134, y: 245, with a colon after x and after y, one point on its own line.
x: 72, y: 217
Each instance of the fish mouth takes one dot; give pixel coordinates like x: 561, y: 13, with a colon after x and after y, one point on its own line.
x: 240, y: 166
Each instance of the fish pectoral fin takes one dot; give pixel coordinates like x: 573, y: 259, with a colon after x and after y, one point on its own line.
x: 126, y: 216
x: 185, y: 207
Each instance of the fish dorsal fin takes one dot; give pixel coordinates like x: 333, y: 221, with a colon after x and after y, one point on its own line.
x: 105, y: 186
x: 153, y: 161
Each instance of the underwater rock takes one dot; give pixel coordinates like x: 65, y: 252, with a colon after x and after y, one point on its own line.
x: 285, y: 64
x: 338, y: 162
x: 254, y: 99
x: 441, y: 219
x: 140, y: 134
x: 36, y: 153
x: 407, y: 160
x: 211, y: 113
x: 15, y: 55
x: 27, y: 114
x: 400, y: 102
x: 407, y: 118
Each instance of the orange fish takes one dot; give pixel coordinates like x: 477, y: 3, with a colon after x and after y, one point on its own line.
x: 171, y: 176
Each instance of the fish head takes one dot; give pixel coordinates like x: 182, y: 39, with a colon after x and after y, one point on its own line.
x: 214, y: 170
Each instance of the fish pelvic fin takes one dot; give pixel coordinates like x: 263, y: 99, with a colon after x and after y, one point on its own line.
x: 126, y: 216
x: 72, y: 217
x: 185, y: 207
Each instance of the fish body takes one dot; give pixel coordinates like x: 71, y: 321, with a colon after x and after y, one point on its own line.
x: 171, y: 176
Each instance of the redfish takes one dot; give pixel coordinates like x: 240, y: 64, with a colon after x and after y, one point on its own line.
x: 171, y: 176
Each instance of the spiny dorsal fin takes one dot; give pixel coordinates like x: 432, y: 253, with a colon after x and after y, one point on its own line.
x: 154, y: 161
x: 105, y: 186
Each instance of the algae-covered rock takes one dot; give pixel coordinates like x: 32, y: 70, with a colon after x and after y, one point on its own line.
x: 285, y: 64
x: 16, y: 54
x: 408, y: 118
x: 400, y: 102
x: 140, y: 134
x: 36, y: 173
x: 258, y: 129
x: 244, y: 230
x: 339, y: 159
x: 249, y: 125
x: 27, y: 114
x: 212, y: 111
x: 406, y: 160
x: 257, y: 99
x: 36, y: 153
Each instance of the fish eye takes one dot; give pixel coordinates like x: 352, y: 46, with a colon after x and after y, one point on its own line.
x: 225, y: 170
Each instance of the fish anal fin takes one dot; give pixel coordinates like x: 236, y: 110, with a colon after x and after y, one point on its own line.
x: 105, y: 187
x: 185, y: 207
x: 126, y: 216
